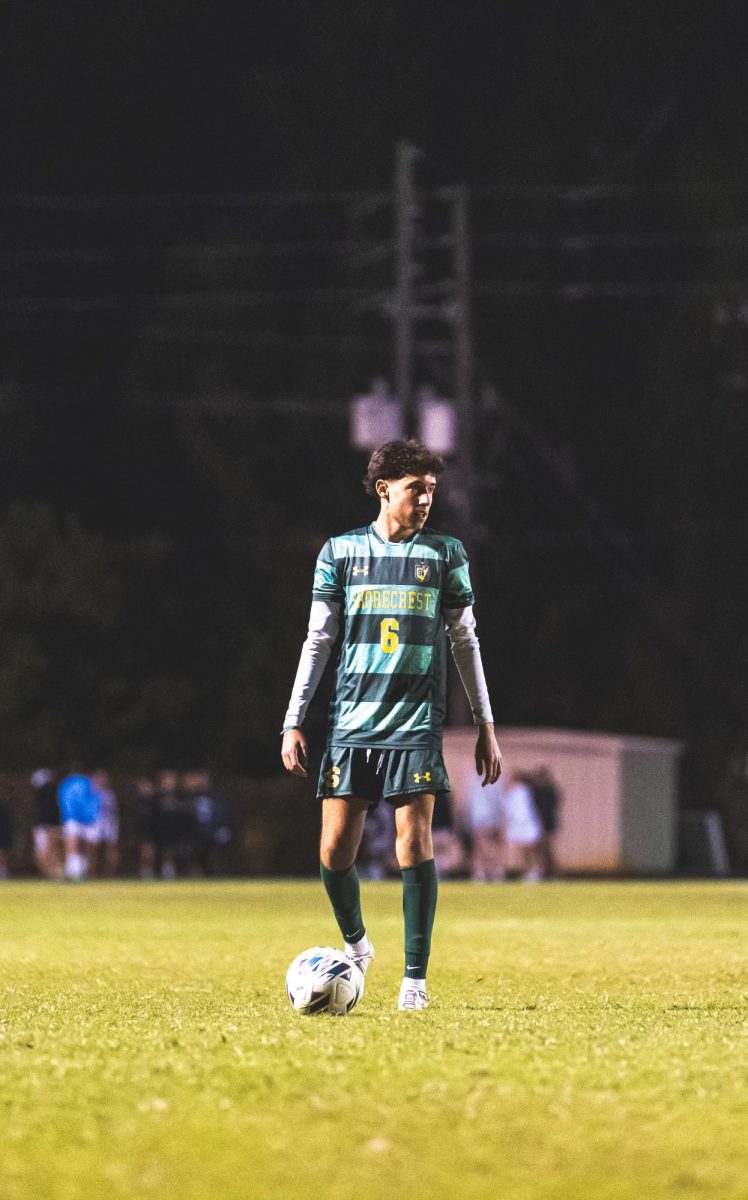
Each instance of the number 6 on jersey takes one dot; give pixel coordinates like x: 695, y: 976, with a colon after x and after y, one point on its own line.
x: 389, y: 640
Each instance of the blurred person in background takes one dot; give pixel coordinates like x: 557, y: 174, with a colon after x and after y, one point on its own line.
x: 210, y: 825
x: 485, y: 817
x: 175, y: 826
x: 547, y: 800
x: 46, y: 828
x: 523, y: 829
x: 147, y: 826
x: 6, y: 838
x: 79, y: 812
x: 732, y: 804
x: 106, y: 846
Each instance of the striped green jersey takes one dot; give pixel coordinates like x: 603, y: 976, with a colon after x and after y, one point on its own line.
x: 391, y: 673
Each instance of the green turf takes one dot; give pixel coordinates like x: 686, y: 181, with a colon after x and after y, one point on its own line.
x: 585, y: 1040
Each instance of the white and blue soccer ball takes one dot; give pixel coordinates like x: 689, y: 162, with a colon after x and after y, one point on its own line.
x: 322, y: 979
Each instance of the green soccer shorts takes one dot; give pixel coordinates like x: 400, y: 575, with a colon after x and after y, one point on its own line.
x: 375, y: 774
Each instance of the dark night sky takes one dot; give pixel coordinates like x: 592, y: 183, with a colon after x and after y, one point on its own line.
x: 141, y: 97
x: 152, y: 465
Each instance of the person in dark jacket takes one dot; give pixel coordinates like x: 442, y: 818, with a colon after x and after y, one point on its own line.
x: 46, y: 824
x: 547, y: 798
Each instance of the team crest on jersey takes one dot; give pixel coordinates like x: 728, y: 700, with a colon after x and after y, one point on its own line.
x: 423, y: 570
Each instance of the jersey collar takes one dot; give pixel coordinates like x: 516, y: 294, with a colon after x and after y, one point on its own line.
x: 386, y: 542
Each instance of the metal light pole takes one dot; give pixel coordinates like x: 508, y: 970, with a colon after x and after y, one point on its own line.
x: 463, y: 480
x: 463, y: 368
x: 403, y: 307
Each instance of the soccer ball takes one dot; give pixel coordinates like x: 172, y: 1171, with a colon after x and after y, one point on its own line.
x: 324, y: 980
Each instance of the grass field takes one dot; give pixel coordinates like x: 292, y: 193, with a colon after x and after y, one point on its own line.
x: 585, y: 1040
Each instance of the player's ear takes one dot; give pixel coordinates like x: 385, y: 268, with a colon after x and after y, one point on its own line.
x: 382, y: 489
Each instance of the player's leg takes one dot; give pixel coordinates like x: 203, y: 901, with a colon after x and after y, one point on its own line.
x: 532, y: 863
x: 147, y: 859
x: 347, y: 786
x: 479, y: 856
x: 111, y: 856
x: 343, y: 819
x: 92, y: 850
x: 498, y: 855
x: 75, y: 857
x: 55, y: 853
x: 415, y: 854
x: 547, y: 856
x: 40, y: 834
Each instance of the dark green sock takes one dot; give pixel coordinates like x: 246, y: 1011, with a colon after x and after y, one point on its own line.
x: 419, y: 905
x: 345, y: 896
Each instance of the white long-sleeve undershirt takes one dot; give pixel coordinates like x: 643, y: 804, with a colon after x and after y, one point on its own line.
x: 465, y: 647
x: 324, y: 625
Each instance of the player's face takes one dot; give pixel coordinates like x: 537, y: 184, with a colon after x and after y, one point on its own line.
x: 409, y: 500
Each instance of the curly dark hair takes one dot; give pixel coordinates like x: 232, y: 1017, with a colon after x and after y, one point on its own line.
x: 395, y: 460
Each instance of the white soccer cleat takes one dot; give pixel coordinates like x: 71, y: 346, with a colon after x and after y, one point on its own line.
x: 412, y: 997
x: 361, y: 958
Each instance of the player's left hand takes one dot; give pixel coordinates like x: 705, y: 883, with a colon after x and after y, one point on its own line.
x: 487, y: 754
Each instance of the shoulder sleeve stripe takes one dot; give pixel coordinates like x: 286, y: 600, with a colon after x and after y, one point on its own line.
x: 326, y: 584
x: 458, y: 591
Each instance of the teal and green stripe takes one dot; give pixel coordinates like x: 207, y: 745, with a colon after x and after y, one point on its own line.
x: 370, y: 659
x: 373, y: 717
x: 385, y: 688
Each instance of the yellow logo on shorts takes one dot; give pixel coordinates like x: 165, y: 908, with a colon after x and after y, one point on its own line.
x: 425, y: 778
x: 332, y: 776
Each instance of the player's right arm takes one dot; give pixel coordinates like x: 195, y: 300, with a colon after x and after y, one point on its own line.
x: 324, y: 623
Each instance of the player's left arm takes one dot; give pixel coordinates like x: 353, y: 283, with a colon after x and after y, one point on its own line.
x: 487, y: 754
x: 463, y: 640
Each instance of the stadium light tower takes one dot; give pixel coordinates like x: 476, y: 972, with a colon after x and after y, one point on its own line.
x: 446, y: 424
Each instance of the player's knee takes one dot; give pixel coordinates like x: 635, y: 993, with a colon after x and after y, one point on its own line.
x: 335, y: 852
x: 414, y: 846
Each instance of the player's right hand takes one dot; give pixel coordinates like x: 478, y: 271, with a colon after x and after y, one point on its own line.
x: 294, y: 752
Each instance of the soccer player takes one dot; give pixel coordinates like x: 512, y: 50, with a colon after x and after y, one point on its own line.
x: 46, y: 825
x: 105, y: 850
x: 390, y: 590
x: 79, y: 811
